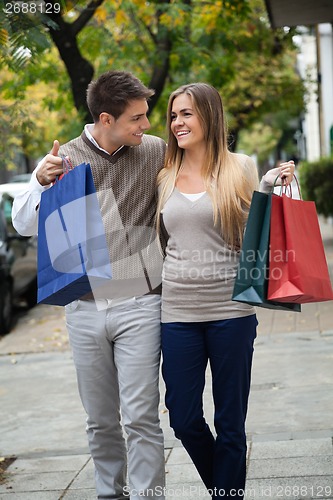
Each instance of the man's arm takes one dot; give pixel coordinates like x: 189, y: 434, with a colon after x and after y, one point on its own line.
x: 26, y: 205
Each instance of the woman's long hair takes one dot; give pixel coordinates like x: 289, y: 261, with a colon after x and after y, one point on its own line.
x: 229, y: 179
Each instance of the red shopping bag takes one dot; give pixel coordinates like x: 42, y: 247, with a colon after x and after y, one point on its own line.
x: 297, y: 269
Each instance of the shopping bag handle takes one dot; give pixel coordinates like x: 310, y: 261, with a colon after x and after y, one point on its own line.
x: 66, y: 167
x: 286, y: 189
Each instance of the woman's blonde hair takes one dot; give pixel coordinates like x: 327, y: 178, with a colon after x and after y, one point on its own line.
x: 229, y: 179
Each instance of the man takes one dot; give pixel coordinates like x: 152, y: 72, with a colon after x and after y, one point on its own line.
x: 116, y: 338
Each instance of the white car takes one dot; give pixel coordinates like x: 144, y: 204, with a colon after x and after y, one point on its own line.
x: 13, y: 188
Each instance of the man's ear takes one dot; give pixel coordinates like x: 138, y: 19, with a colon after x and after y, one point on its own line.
x: 106, y: 119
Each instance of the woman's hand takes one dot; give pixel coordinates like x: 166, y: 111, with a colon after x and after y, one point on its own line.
x: 285, y: 172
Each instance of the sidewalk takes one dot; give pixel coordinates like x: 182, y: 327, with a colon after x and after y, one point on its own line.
x: 289, y: 425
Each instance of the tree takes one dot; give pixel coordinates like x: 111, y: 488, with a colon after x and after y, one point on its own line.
x: 164, y: 30
x: 65, y: 32
x: 265, y: 81
x: 26, y: 130
x: 65, y: 37
x: 228, y: 43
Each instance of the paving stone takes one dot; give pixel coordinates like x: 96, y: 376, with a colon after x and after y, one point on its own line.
x: 319, y: 465
x: 186, y: 473
x: 84, y: 479
x: 35, y: 495
x: 49, y: 464
x: 36, y: 481
x: 293, y: 488
x: 85, y: 494
x: 178, y: 456
x: 291, y: 448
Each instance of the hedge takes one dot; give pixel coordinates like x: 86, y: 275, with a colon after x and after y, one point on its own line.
x: 316, y: 180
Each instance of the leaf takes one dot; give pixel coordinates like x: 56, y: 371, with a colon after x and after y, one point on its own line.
x: 101, y: 14
x: 4, y: 36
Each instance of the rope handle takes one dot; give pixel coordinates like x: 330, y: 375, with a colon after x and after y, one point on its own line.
x: 66, y: 167
x: 287, y: 189
x: 66, y: 164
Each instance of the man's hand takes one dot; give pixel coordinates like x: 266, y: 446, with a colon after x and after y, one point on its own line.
x: 50, y: 167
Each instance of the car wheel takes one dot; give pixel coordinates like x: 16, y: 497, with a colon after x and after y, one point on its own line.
x: 6, y: 308
x: 31, y: 294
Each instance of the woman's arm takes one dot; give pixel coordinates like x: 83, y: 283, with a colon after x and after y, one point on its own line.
x: 285, y: 172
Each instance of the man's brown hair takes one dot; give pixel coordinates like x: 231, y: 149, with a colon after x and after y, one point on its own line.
x: 112, y: 91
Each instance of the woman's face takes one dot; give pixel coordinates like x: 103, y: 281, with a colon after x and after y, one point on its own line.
x: 185, y: 123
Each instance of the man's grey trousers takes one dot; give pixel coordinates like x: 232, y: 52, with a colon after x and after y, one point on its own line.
x: 116, y: 352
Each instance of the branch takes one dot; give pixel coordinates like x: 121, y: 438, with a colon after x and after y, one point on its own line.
x: 137, y: 23
x: 85, y: 16
x: 161, y: 68
x: 79, y: 69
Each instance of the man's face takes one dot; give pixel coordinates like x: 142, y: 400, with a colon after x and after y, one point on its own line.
x: 128, y: 129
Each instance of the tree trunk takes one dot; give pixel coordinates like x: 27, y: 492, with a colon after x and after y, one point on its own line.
x: 163, y: 46
x: 160, y: 72
x: 233, y: 139
x: 80, y: 70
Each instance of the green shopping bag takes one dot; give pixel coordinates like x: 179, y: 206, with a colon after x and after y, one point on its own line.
x: 253, y: 269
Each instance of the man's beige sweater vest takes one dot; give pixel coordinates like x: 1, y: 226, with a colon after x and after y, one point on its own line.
x: 126, y: 188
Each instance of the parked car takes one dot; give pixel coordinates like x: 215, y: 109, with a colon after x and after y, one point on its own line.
x: 21, y: 178
x: 18, y: 261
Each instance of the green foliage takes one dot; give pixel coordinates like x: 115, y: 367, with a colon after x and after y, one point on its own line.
x: 316, y: 180
x: 270, y: 138
x: 22, y: 39
x: 31, y: 116
x: 9, y: 142
x: 228, y: 43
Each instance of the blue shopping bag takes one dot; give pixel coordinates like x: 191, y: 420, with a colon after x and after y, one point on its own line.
x: 73, y: 257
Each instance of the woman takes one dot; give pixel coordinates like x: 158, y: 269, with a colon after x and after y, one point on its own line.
x: 204, y: 197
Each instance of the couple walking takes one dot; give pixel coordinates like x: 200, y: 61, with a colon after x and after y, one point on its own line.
x: 196, y: 194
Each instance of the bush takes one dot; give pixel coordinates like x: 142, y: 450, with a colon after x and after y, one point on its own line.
x: 316, y: 179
